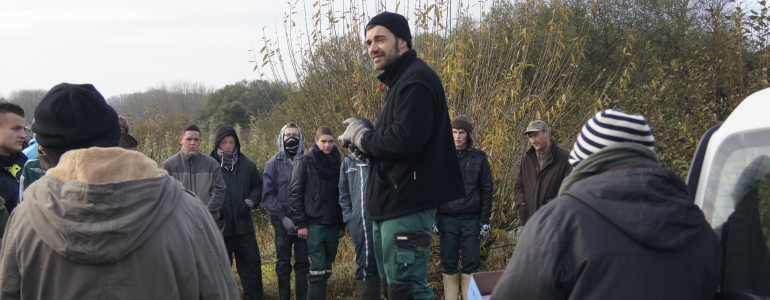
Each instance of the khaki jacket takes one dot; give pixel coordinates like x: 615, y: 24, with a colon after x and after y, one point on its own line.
x: 106, y: 223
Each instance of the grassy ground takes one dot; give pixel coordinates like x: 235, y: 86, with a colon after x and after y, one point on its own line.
x: 496, y: 251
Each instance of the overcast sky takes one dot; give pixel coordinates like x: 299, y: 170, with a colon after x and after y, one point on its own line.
x: 129, y: 46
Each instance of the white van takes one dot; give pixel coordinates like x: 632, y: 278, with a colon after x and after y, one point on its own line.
x: 730, y: 180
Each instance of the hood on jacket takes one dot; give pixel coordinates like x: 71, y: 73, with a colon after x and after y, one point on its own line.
x: 280, y: 141
x: 99, y: 204
x: 650, y: 205
x: 222, y: 132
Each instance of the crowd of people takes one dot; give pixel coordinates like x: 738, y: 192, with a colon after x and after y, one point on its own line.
x: 85, y: 217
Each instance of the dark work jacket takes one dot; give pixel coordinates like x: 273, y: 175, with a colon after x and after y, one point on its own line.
x: 477, y: 175
x: 413, y: 161
x: 9, y: 181
x: 243, y: 182
x: 628, y: 233
x: 536, y: 187
x: 314, y: 199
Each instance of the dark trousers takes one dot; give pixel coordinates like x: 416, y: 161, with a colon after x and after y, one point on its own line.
x: 460, y: 237
x: 364, y: 245
x: 246, y: 251
x: 283, y: 251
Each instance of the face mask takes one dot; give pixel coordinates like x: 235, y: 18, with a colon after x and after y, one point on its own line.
x: 291, y: 146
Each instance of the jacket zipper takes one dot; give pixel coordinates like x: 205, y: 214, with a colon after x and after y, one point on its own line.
x: 395, y: 186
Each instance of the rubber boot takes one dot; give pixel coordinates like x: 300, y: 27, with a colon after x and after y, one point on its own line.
x: 317, y: 289
x: 284, y: 287
x: 451, y: 286
x: 300, y: 286
x: 466, y: 281
x: 368, y: 289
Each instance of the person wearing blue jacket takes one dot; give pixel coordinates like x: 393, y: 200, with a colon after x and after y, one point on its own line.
x: 275, y: 197
x: 353, y: 175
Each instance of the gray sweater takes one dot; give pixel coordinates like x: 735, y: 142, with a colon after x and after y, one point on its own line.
x: 200, y: 174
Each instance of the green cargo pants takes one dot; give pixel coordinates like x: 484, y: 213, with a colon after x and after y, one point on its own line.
x: 402, y: 251
x: 322, y: 242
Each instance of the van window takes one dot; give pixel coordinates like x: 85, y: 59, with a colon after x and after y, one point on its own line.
x: 738, y: 208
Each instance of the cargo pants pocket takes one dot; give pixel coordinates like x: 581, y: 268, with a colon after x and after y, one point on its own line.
x: 410, y: 251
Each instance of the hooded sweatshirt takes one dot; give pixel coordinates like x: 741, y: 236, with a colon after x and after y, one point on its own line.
x: 628, y: 233
x: 277, y: 179
x: 242, y: 180
x: 106, y: 223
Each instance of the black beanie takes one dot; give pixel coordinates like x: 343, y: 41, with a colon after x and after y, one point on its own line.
x: 73, y: 117
x: 394, y: 22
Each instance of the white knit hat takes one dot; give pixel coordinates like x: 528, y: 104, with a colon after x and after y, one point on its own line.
x: 609, y: 127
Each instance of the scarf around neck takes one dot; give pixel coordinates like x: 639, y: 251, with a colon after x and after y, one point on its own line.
x: 608, y: 158
x: 227, y: 160
x: 327, y: 165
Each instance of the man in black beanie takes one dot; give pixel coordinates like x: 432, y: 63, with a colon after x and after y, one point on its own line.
x: 414, y: 165
x: 106, y: 222
x: 74, y: 117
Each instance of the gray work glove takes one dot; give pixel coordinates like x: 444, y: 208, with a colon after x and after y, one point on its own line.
x: 355, y: 131
x: 357, y: 153
x: 289, y: 225
x: 249, y: 203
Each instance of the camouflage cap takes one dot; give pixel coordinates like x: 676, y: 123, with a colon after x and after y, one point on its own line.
x: 537, y: 125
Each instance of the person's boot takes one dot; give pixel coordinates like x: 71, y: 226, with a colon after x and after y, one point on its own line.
x: 466, y: 281
x: 317, y: 289
x: 300, y: 285
x: 284, y: 287
x: 451, y: 286
x: 368, y: 289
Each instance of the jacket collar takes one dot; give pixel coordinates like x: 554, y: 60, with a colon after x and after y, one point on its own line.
x: 531, y: 152
x: 393, y: 73
x: 98, y: 165
x: 186, y: 156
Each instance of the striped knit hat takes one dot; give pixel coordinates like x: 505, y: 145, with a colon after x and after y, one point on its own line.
x: 610, y: 127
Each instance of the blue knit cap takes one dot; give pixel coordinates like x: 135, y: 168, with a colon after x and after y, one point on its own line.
x: 610, y: 127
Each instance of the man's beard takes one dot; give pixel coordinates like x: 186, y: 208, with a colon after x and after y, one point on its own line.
x: 389, y: 58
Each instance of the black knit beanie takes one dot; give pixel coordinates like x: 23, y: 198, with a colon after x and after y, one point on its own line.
x: 74, y: 116
x: 464, y: 123
x: 394, y: 22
